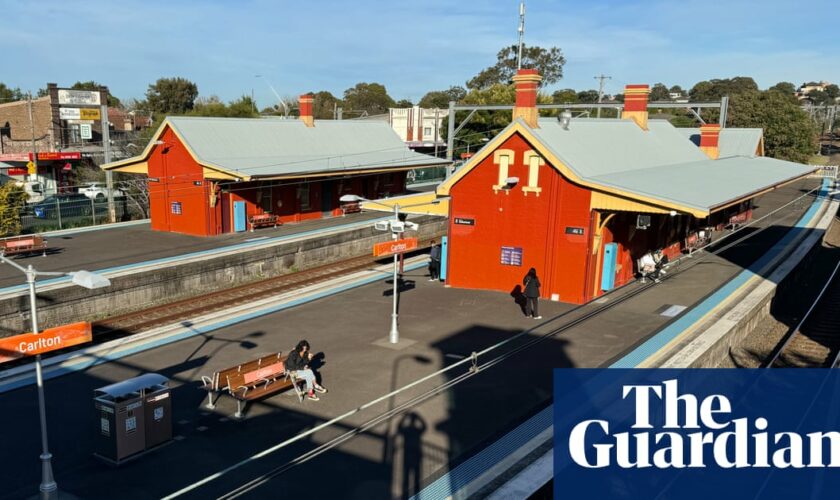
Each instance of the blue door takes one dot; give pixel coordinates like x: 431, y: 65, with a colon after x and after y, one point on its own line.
x: 444, y: 251
x: 239, y: 221
x: 608, y: 271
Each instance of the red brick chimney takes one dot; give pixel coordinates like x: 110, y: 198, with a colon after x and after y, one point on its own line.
x: 709, y: 137
x: 635, y: 104
x: 527, y: 82
x: 306, y: 110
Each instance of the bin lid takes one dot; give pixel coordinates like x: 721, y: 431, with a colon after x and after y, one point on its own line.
x: 135, y: 384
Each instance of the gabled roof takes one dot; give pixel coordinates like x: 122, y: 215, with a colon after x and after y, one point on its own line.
x: 253, y: 148
x: 658, y: 167
x: 732, y: 141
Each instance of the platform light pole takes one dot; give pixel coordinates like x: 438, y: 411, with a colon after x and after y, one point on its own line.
x: 396, y: 226
x: 48, y: 487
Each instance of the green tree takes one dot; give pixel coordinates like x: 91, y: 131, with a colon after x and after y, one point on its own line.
x: 784, y: 87
x: 174, y: 96
x: 549, y: 62
x: 789, y: 133
x: 403, y: 103
x: 324, y: 104
x: 8, y: 94
x: 659, y: 92
x: 713, y: 90
x: 244, y: 107
x: 819, y: 97
x: 564, y: 96
x: 441, y: 98
x: 113, y: 101
x: 832, y: 91
x: 372, y: 98
x: 587, y: 96
x: 12, y: 198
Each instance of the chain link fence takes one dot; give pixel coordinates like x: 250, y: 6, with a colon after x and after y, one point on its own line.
x: 65, y: 211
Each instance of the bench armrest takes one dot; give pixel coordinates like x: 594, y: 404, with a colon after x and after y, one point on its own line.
x: 208, y: 382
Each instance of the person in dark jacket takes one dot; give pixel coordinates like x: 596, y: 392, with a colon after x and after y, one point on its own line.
x: 532, y: 294
x: 434, y: 262
x: 298, y: 363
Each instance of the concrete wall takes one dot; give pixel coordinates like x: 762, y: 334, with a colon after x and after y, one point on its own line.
x: 139, y: 290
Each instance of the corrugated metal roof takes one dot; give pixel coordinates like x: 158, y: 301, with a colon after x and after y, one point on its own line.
x: 732, y: 142
x: 265, y: 147
x: 660, y: 163
x: 709, y: 183
x: 593, y: 147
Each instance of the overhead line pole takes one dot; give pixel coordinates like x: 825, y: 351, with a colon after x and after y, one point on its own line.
x: 601, y: 79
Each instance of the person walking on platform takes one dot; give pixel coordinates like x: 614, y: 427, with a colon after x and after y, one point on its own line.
x: 532, y: 294
x: 434, y: 262
x: 298, y: 363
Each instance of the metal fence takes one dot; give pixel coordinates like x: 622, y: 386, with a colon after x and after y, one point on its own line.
x: 64, y: 212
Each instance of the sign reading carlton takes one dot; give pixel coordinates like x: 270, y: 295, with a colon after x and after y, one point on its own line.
x: 701, y: 434
x: 51, y: 339
x: 395, y: 246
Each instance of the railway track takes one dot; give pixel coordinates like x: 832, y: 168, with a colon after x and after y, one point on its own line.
x: 145, y: 319
x: 815, y: 341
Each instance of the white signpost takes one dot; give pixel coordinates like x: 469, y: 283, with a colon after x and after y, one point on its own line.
x: 79, y: 97
x: 86, y: 131
x: 69, y: 113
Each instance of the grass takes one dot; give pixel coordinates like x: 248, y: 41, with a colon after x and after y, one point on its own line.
x: 818, y: 160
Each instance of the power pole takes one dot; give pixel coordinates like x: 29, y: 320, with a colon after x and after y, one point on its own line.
x: 106, y: 150
x: 521, y: 33
x: 34, y: 147
x: 601, y: 79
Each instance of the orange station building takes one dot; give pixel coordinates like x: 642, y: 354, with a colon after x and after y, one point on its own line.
x: 208, y: 176
x: 581, y: 200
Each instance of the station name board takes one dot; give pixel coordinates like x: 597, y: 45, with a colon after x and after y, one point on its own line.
x: 464, y: 222
x: 51, y: 339
x: 396, y: 246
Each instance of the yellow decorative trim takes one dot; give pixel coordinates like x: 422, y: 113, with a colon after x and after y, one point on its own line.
x: 533, y: 171
x: 712, y: 152
x: 498, y: 156
x: 529, y: 189
x: 640, y: 117
x: 603, y: 201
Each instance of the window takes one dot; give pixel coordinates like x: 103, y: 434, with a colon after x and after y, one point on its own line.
x: 534, y: 161
x: 502, y: 158
x: 427, y: 131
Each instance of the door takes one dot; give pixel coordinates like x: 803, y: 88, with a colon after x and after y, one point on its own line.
x: 327, y: 198
x: 226, y: 219
x: 240, y: 222
x: 608, y: 271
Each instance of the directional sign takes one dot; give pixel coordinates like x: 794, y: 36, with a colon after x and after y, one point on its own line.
x: 90, y: 114
x: 51, y: 339
x: 85, y: 131
x: 395, y: 246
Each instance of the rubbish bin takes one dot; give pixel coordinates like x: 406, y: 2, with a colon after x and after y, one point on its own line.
x: 133, y: 416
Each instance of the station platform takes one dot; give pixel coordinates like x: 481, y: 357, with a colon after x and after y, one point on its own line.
x: 409, y: 454
x: 121, y: 245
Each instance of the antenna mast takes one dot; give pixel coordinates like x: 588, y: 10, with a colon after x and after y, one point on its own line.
x: 521, y: 33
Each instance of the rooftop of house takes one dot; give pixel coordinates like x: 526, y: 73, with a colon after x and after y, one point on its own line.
x: 251, y: 148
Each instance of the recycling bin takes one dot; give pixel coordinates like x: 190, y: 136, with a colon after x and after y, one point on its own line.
x: 132, y: 416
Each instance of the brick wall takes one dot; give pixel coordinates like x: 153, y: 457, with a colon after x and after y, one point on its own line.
x: 16, y: 114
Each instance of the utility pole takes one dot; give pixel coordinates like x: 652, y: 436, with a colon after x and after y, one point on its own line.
x: 34, y: 147
x: 521, y: 33
x: 106, y: 151
x: 601, y: 79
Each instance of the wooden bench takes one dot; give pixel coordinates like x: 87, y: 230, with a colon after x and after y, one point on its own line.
x: 251, y: 381
x: 351, y: 208
x: 23, y: 244
x: 264, y: 220
x: 741, y: 218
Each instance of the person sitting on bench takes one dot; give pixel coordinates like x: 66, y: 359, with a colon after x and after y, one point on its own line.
x: 298, y: 364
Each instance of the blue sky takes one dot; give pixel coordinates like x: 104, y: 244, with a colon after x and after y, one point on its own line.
x: 411, y: 47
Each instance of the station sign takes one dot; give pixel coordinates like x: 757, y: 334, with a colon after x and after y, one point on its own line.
x: 574, y: 230
x: 511, y: 256
x: 395, y: 246
x: 51, y: 339
x: 464, y: 222
x: 79, y: 97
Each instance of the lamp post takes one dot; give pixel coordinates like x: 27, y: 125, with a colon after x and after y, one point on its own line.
x: 396, y: 226
x: 48, y: 487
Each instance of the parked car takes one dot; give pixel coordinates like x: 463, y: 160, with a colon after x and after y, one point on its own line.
x: 71, y: 204
x: 99, y: 192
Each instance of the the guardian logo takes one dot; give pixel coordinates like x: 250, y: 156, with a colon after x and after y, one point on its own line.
x: 695, y: 433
